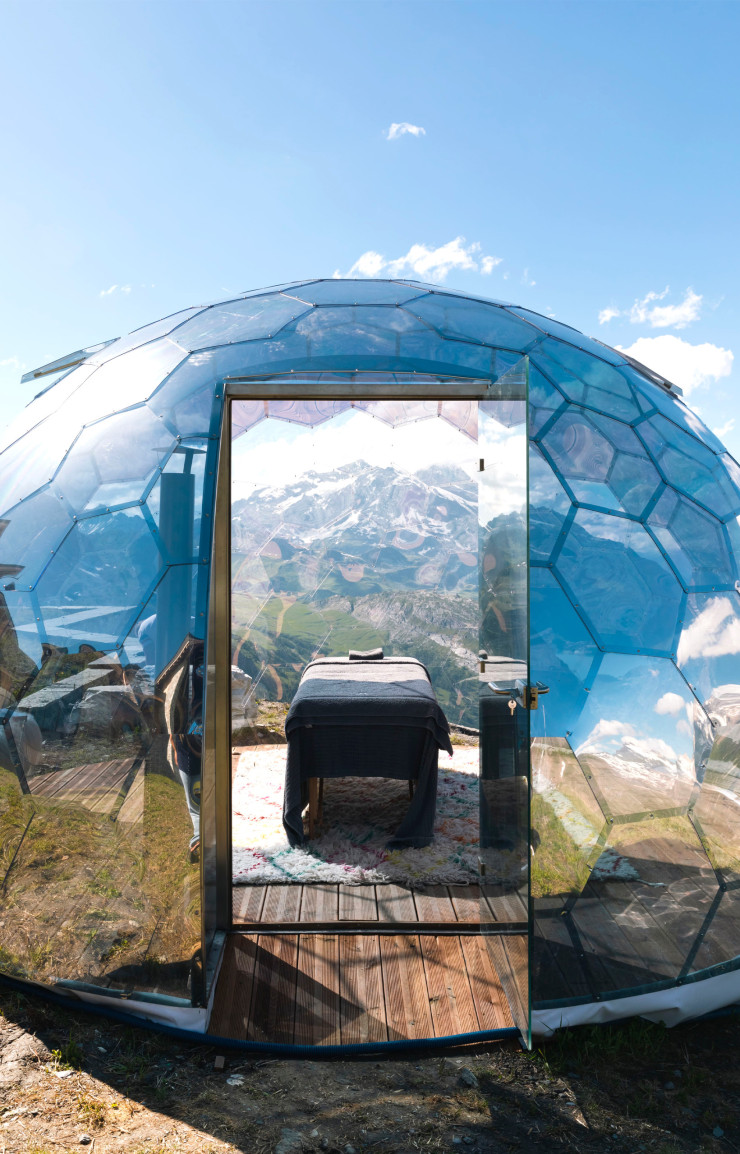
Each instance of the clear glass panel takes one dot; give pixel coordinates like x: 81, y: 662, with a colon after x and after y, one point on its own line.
x: 504, y: 664
x: 144, y: 335
x: 98, y: 473
x: 568, y: 334
x: 238, y: 320
x: 473, y: 321
x: 45, y: 402
x: 549, y: 506
x: 101, y: 782
x: 31, y: 535
x: 636, y: 735
x: 356, y: 292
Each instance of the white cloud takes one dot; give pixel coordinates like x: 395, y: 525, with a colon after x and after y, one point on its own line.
x: 647, y: 312
x: 427, y: 263
x: 725, y: 429
x: 488, y: 264
x: 687, y: 365
x: 714, y: 633
x: 121, y: 288
x: 671, y: 703
x: 403, y: 129
x: 11, y: 363
x: 526, y: 281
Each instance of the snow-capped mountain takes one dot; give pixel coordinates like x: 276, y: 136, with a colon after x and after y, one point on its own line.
x: 378, y: 528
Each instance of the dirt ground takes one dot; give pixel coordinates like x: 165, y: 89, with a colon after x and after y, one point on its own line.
x: 75, y: 1081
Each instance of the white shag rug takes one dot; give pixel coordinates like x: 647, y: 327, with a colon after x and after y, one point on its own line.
x: 360, y: 815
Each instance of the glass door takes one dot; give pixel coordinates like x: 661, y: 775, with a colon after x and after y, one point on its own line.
x: 505, y: 694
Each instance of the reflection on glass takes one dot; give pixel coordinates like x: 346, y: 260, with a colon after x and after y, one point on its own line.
x: 100, y: 684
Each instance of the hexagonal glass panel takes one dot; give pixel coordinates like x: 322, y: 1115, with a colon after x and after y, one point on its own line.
x: 86, y: 595
x: 718, y: 939
x: 239, y: 320
x: 356, y: 292
x: 636, y: 735
x: 694, y: 541
x: 563, y: 655
x: 639, y: 916
x: 175, y: 502
x: 577, y: 448
x: 570, y: 335
x: 614, y: 570
x: 672, y: 407
x: 143, y: 335
x: 708, y: 652
x: 585, y: 380
x: 549, y: 505
x: 112, y: 461
x: 32, y: 534
x: 46, y: 402
x: 566, y: 820
x: 690, y: 466
x: 474, y: 321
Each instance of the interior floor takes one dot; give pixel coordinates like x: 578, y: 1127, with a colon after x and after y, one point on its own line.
x: 327, y: 989
x: 295, y: 906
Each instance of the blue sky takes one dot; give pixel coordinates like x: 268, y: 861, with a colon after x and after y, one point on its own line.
x: 157, y: 155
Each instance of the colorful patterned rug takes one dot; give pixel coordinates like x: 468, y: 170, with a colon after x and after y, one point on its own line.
x: 360, y: 815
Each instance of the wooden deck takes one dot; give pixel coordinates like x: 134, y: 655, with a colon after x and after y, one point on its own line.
x: 95, y: 787
x: 445, y: 909
x: 326, y: 989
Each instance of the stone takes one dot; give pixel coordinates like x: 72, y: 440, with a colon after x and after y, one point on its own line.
x: 718, y: 1132
x: 219, y: 1062
x: 669, y: 1086
x: 85, y: 1140
x: 468, y: 1078
x: 235, y: 1080
x: 290, y: 1140
x: 324, y: 1144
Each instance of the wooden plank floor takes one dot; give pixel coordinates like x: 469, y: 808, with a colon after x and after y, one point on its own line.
x: 96, y: 787
x: 292, y: 907
x: 322, y: 989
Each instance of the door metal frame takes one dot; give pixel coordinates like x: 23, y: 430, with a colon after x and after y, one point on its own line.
x: 303, y: 386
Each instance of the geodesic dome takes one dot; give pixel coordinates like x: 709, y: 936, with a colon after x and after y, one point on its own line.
x: 107, y: 487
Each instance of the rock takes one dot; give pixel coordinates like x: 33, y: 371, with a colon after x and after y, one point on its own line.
x: 468, y: 1140
x: 349, y: 1149
x: 468, y: 1078
x: 669, y: 1086
x: 290, y: 1140
x: 451, y: 1065
x: 314, y: 1134
x: 324, y: 1144
x: 85, y: 1140
x: 235, y: 1080
x: 718, y: 1132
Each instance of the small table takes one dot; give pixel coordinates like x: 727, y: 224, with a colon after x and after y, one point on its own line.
x: 365, y: 718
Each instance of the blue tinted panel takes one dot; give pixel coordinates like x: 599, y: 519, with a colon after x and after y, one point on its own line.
x: 544, y: 399
x: 694, y: 541
x: 239, y: 320
x: 586, y: 368
x: 566, y: 333
x: 562, y: 653
x: 672, y: 407
x: 549, y: 505
x: 29, y: 464
x: 474, y: 321
x: 597, y: 396
x: 176, y: 500
x: 20, y: 644
x: 690, y: 466
x: 594, y: 493
x: 578, y: 448
x: 633, y: 480
x: 615, y: 572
